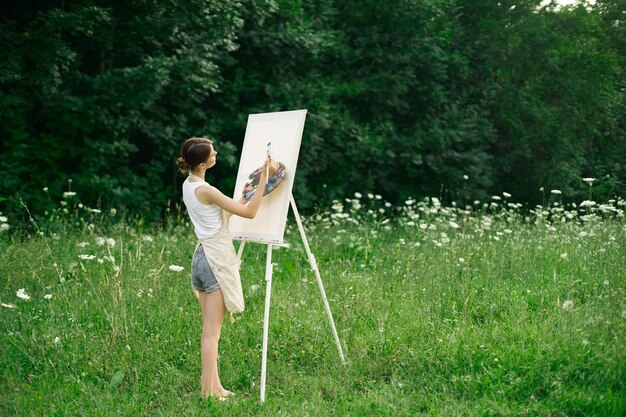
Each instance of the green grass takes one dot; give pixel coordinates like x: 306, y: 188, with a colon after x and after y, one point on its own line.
x: 424, y: 333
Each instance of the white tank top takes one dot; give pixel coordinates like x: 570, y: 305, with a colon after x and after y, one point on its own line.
x: 206, y: 219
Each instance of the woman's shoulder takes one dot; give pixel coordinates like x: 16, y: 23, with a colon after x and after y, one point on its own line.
x: 207, y: 193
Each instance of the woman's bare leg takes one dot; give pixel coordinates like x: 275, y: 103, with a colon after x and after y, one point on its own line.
x: 213, y: 310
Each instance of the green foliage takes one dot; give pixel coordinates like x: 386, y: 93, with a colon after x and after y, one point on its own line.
x: 405, y: 98
x: 105, y: 95
x: 384, y: 89
x: 557, y: 106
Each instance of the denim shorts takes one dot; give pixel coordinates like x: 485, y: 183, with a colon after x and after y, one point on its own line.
x: 202, y: 278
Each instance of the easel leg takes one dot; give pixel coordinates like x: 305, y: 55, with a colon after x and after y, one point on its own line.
x: 266, y: 318
x: 240, y: 252
x: 318, y: 278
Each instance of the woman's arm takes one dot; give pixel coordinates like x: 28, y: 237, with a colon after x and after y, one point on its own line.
x: 214, y: 196
x: 243, y: 201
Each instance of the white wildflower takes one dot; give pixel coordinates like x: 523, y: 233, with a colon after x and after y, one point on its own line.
x: 176, y: 268
x: 506, y: 195
x: 461, y: 260
x: 358, y: 195
x: 110, y: 241
x: 589, y: 180
x: 454, y: 225
x: 45, y: 189
x: 8, y: 305
x: 423, y: 226
x: 465, y: 177
x: 57, y: 340
x: 83, y: 244
x: 113, y: 211
x: 555, y: 191
x: 87, y: 257
x: 3, y: 219
x: 370, y: 196
x: 564, y: 255
x: 100, y: 241
x: 568, y: 304
x: 69, y: 194
x: 147, y: 238
x: 496, y: 197
x: 588, y: 217
x: 48, y: 296
x: 21, y: 293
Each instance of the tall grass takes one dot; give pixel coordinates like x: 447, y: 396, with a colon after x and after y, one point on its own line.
x: 481, y: 310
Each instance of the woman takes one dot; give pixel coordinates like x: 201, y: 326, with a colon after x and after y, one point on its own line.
x: 209, y: 210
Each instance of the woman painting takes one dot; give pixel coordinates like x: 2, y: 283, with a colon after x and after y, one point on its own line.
x: 215, y: 270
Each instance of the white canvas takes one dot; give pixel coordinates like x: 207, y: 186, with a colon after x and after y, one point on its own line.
x: 284, y: 131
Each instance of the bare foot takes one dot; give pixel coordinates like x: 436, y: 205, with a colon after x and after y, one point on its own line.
x: 215, y: 392
x: 226, y: 393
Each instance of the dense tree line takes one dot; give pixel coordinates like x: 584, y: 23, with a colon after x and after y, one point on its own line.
x: 405, y: 98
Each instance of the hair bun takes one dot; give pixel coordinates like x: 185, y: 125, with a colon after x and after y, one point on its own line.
x: 183, y: 166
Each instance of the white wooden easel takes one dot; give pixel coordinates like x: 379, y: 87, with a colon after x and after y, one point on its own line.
x: 268, y: 292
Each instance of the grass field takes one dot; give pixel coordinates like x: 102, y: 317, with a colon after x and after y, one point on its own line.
x: 485, y: 310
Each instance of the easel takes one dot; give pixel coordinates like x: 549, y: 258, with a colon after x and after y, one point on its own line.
x: 268, y: 292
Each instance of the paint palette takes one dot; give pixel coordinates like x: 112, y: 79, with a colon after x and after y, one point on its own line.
x: 277, y: 175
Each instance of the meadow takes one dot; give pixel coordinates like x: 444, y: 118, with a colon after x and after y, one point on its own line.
x: 489, y: 309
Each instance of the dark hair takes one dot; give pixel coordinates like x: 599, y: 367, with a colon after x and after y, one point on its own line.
x: 193, y: 152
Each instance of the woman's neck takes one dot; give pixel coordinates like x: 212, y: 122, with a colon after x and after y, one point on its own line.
x: 199, y: 174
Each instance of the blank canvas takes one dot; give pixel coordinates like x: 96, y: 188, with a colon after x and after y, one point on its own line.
x: 284, y: 131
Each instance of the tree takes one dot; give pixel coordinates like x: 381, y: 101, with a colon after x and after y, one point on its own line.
x: 106, y: 94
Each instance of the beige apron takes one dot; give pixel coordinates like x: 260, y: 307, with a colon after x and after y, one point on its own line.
x: 220, y: 253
